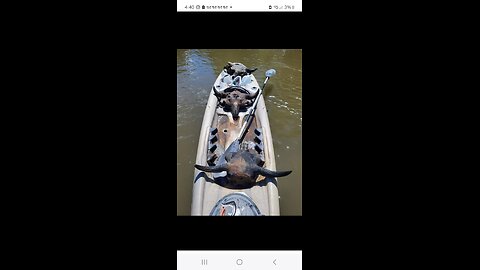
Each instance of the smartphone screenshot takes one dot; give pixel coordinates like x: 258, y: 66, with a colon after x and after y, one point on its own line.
x: 234, y: 6
x: 239, y: 259
x: 239, y: 136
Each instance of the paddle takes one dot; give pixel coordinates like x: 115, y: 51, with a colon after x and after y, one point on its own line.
x: 235, y: 145
x: 269, y: 73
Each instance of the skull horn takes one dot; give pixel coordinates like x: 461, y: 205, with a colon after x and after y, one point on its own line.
x: 250, y: 71
x: 268, y: 173
x: 218, y: 168
x: 228, y: 65
x: 218, y: 94
x: 252, y: 96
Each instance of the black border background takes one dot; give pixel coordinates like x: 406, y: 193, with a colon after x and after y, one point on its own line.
x: 103, y: 132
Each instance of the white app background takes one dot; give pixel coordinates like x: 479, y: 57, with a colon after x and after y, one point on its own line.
x: 239, y: 260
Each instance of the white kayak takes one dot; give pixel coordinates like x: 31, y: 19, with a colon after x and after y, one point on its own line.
x: 218, y: 131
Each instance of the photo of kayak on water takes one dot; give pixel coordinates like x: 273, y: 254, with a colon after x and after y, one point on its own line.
x: 239, y: 132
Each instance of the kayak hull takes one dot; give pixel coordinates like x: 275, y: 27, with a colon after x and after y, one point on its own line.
x: 206, y: 192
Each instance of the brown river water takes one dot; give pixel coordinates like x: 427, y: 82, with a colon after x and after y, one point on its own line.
x: 196, y: 73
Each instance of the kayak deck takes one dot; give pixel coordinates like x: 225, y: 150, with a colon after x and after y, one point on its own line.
x: 206, y: 191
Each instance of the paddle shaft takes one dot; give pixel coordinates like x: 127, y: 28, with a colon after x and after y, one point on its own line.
x: 251, y: 113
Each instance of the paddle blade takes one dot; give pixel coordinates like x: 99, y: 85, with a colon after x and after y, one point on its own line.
x: 271, y: 72
x: 233, y: 148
